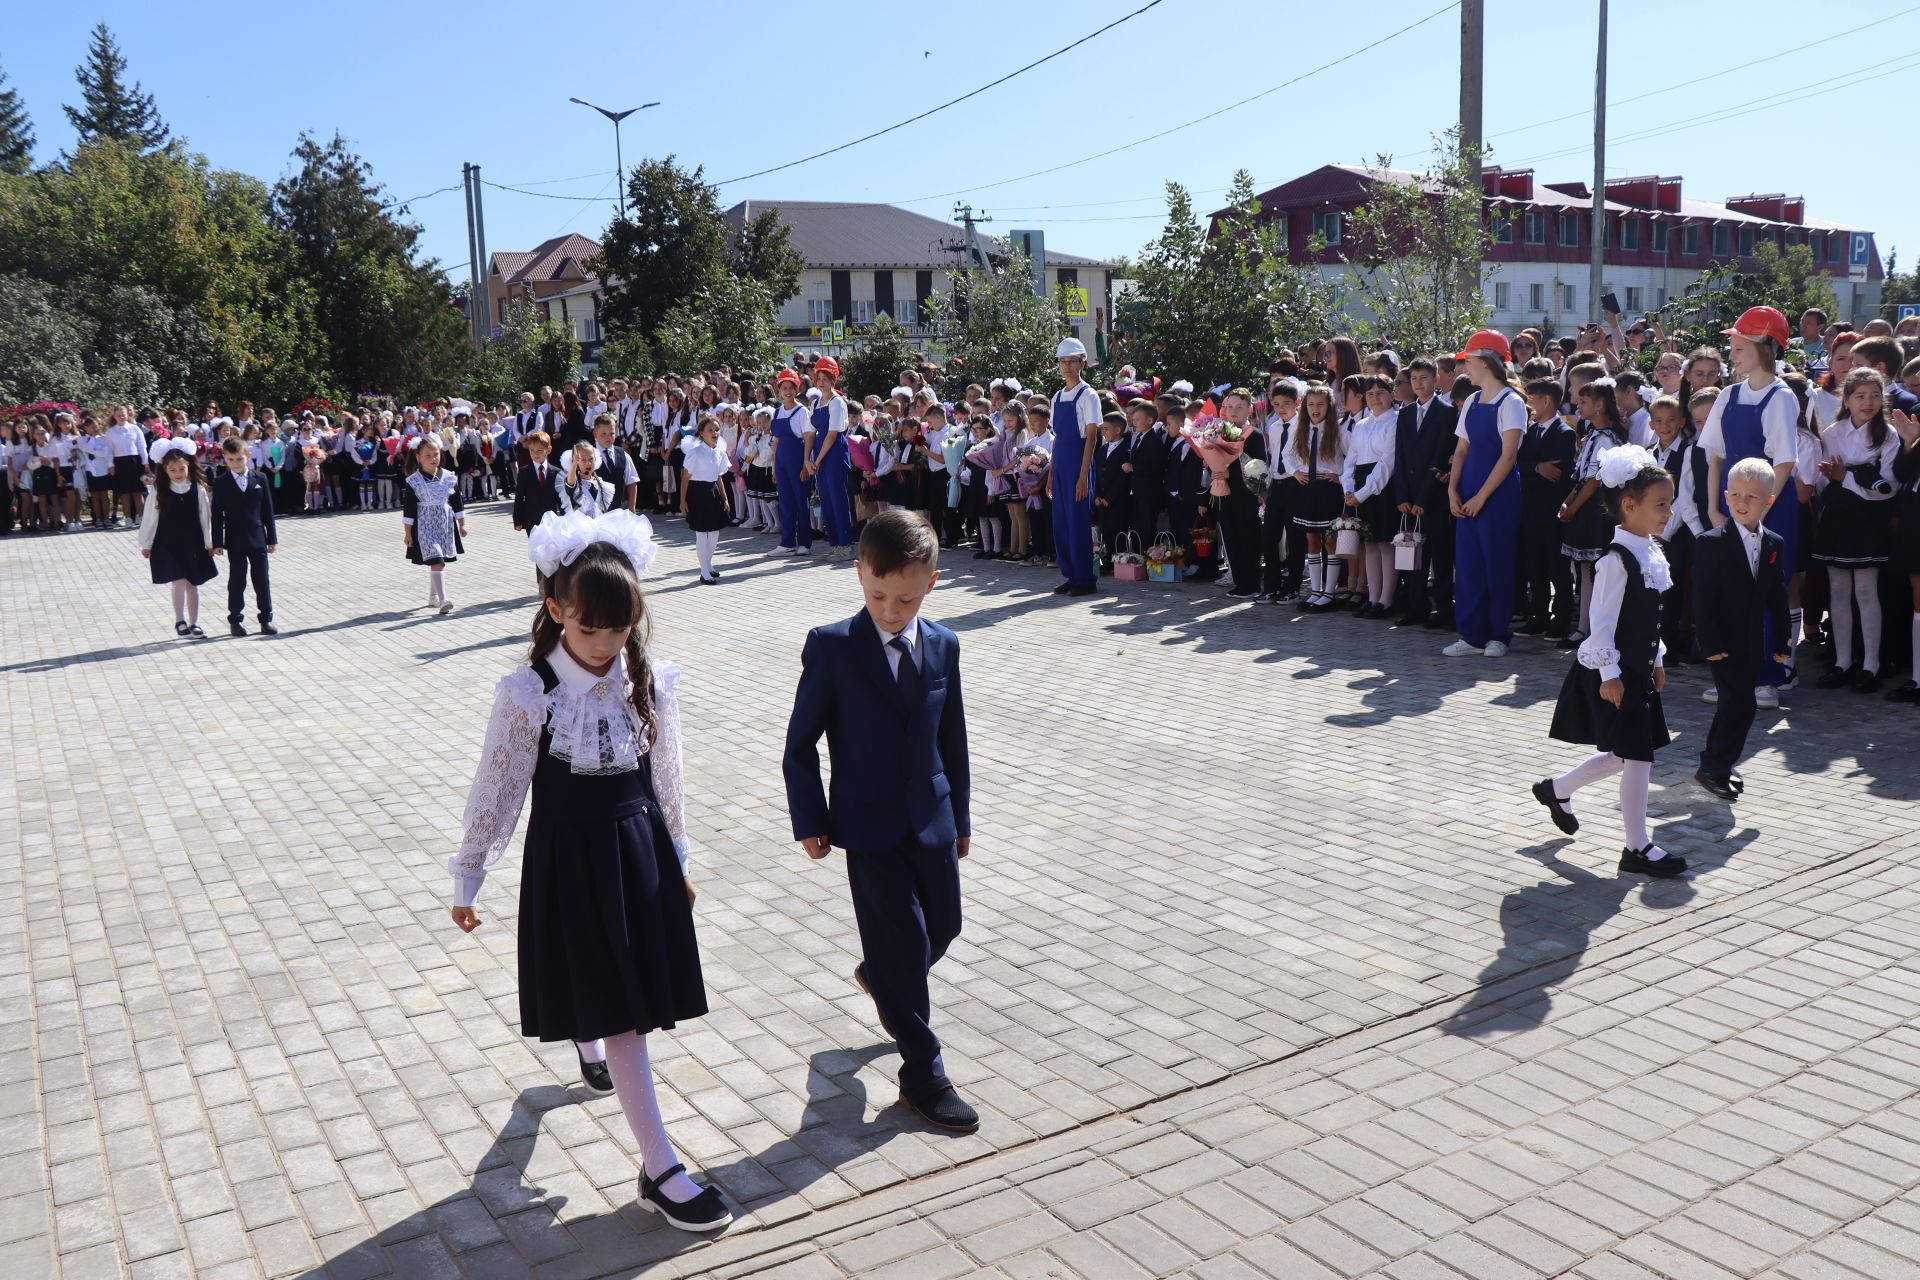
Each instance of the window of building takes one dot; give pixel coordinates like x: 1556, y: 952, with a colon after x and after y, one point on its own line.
x: 1746, y: 242
x: 1569, y: 298
x: 1569, y: 231
x: 1629, y: 233
x: 1690, y: 239
x: 1817, y: 243
x: 863, y: 310
x: 819, y: 311
x: 1661, y: 295
x: 1536, y: 297
x: 1722, y: 241
x: 906, y: 311
x: 1502, y: 295
x: 1659, y: 236
x: 1536, y: 227
x: 1502, y: 226
x: 586, y: 329
x: 1634, y: 299
x: 1327, y: 225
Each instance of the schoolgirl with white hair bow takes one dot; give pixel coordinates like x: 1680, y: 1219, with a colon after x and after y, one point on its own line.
x: 176, y: 531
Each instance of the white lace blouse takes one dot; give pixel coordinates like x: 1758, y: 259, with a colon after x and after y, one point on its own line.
x: 591, y: 716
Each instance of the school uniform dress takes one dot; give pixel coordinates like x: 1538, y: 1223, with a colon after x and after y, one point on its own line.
x: 432, y: 509
x: 242, y: 510
x: 760, y: 484
x: 588, y: 495
x: 1625, y: 645
x: 1856, y: 513
x: 1906, y: 471
x: 1367, y: 473
x: 1073, y: 411
x: 180, y: 537
x: 1588, y: 535
x: 1486, y: 546
x: 1686, y: 462
x: 129, y: 445
x: 706, y: 506
x: 1316, y: 503
x: 606, y: 932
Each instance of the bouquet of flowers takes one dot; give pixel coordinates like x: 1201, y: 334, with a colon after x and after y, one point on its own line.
x: 1256, y: 475
x: 1031, y: 472
x: 1219, y: 444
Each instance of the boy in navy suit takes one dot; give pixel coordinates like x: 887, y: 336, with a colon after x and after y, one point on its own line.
x: 534, y: 493
x: 1545, y: 462
x: 242, y: 509
x: 884, y: 686
x: 1739, y: 593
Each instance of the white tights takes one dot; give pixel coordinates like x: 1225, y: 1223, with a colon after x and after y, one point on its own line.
x: 990, y: 539
x: 436, y: 584
x: 186, y: 602
x: 1380, y: 571
x: 1862, y: 586
x: 703, y: 546
x: 632, y: 1072
x: 1634, y: 777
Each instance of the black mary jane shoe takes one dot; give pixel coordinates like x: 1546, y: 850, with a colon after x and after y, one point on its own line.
x: 1721, y: 789
x: 594, y: 1075
x: 1836, y: 678
x: 1636, y: 862
x: 1562, y: 816
x: 1909, y: 692
x: 1866, y: 682
x: 193, y: 629
x: 941, y: 1106
x: 179, y: 628
x: 704, y: 1213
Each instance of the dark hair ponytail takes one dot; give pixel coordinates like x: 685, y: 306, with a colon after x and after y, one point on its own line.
x: 601, y: 590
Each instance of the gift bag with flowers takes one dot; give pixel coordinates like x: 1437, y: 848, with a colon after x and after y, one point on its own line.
x: 1129, y: 565
x: 1346, y: 535
x: 1165, y: 559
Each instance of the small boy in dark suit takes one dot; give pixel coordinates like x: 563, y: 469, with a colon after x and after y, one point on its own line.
x: 242, y: 511
x: 1112, y: 486
x: 1146, y: 469
x: 1422, y: 456
x: 1739, y: 616
x: 1545, y: 462
x: 534, y: 492
x: 884, y: 687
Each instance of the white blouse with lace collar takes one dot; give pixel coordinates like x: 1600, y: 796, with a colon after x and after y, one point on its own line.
x: 595, y: 730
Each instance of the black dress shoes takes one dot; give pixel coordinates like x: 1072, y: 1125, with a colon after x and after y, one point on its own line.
x: 1739, y: 783
x: 1562, y: 816
x: 705, y: 1212
x: 594, y: 1075
x: 268, y: 629
x: 1719, y: 788
x: 235, y: 629
x: 940, y: 1106
x: 1665, y: 867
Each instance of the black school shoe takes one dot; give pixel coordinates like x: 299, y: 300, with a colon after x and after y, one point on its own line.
x: 1867, y: 682
x: 1719, y: 788
x: 1836, y: 678
x: 268, y: 629
x: 1636, y: 862
x: 179, y: 628
x: 941, y: 1106
x: 1562, y: 816
x: 1909, y: 692
x: 594, y: 1075
x: 705, y: 1212
x: 235, y: 629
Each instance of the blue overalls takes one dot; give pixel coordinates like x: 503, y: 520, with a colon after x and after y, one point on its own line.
x: 1072, y: 517
x: 836, y: 514
x: 1744, y: 435
x: 1485, y: 546
x: 796, y: 521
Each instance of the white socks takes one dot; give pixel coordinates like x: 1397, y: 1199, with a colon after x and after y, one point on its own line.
x: 1862, y: 587
x: 632, y: 1072
x: 1634, y: 777
x: 591, y: 1050
x: 436, y: 584
x: 703, y: 545
x: 180, y: 600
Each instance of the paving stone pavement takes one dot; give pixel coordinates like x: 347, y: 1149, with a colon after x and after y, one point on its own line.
x: 1271, y: 965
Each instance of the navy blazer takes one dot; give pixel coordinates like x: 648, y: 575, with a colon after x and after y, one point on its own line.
x: 1541, y: 498
x: 1148, y: 450
x: 900, y: 773
x: 1421, y: 455
x: 242, y: 512
x: 1729, y: 600
x: 531, y: 499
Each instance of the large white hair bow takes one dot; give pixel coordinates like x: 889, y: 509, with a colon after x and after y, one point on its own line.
x: 1621, y: 464
x: 559, y: 539
x: 161, y: 448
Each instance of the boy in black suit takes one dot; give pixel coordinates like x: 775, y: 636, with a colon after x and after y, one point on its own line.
x: 1112, y: 486
x: 1545, y: 462
x: 1739, y: 616
x: 1146, y: 469
x: 242, y: 510
x: 1186, y: 491
x: 534, y: 491
x: 884, y: 687
x: 1422, y: 456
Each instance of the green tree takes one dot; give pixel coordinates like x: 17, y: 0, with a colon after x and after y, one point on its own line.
x: 16, y: 131
x: 627, y: 355
x: 763, y: 251
x: 728, y: 322
x: 528, y: 353
x: 1787, y: 280
x: 874, y: 367
x: 1413, y: 240
x: 670, y: 244
x: 109, y: 107
x: 1217, y: 307
x: 388, y: 316
x: 996, y: 326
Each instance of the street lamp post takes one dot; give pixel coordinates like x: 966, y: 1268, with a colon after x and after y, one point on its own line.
x: 619, y: 165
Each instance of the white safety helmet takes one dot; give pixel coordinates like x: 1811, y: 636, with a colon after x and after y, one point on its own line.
x: 1070, y: 347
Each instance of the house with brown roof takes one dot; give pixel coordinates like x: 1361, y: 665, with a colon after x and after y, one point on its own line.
x: 554, y: 278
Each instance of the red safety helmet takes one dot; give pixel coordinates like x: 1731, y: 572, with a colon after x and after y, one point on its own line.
x: 1487, y: 340
x: 1760, y: 322
x: 827, y: 365
x: 786, y: 375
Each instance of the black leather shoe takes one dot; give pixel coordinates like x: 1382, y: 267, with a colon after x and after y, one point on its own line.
x: 940, y: 1106
x: 1562, y: 816
x: 179, y: 628
x: 1718, y: 788
x: 1079, y: 591
x: 1835, y: 678
x: 1909, y: 692
x: 1739, y: 783
x: 1063, y: 589
x: 235, y: 629
x: 1636, y: 862
x: 1439, y: 622
x: 705, y: 1212
x: 268, y: 629
x: 1866, y: 682
x: 193, y: 629
x: 1535, y: 627
x: 594, y: 1075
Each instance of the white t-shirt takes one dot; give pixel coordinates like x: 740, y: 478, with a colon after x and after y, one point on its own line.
x: 1086, y: 406
x: 1776, y: 421
x: 1510, y: 413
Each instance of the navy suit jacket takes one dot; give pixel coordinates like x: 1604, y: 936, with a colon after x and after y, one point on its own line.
x: 900, y: 772
x: 242, y: 512
x: 1423, y: 453
x: 1729, y: 600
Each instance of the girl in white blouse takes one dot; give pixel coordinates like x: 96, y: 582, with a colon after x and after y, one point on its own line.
x: 1855, y: 533
x: 580, y: 488
x: 704, y: 493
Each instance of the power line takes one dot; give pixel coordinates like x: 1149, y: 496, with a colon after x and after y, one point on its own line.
x: 417, y: 199
x: 761, y: 173
x: 544, y: 195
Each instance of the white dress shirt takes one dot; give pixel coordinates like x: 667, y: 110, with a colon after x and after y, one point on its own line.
x: 704, y: 462
x: 1609, y: 590
x: 1372, y: 441
x: 1750, y: 542
x: 1851, y: 446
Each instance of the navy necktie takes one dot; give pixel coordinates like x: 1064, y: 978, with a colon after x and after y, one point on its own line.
x: 907, y: 675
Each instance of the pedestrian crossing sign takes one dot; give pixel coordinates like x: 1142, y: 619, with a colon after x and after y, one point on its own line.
x: 1076, y: 300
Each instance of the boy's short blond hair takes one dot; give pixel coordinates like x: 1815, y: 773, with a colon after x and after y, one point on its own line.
x: 1758, y: 470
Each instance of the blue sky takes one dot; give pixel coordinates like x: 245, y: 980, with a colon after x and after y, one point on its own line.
x: 746, y: 86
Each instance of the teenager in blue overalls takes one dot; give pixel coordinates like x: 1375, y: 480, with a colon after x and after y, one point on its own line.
x: 828, y: 461
x: 792, y: 478
x: 1484, y: 495
x: 1757, y: 417
x: 1075, y: 419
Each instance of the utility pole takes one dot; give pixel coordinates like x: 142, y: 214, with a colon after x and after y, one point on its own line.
x: 977, y: 254
x: 470, y: 186
x: 485, y: 286
x: 1473, y: 26
x: 1596, y: 275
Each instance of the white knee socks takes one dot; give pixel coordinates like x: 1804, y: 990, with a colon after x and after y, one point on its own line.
x: 703, y: 545
x: 436, y: 584
x: 632, y: 1072
x: 1866, y: 594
